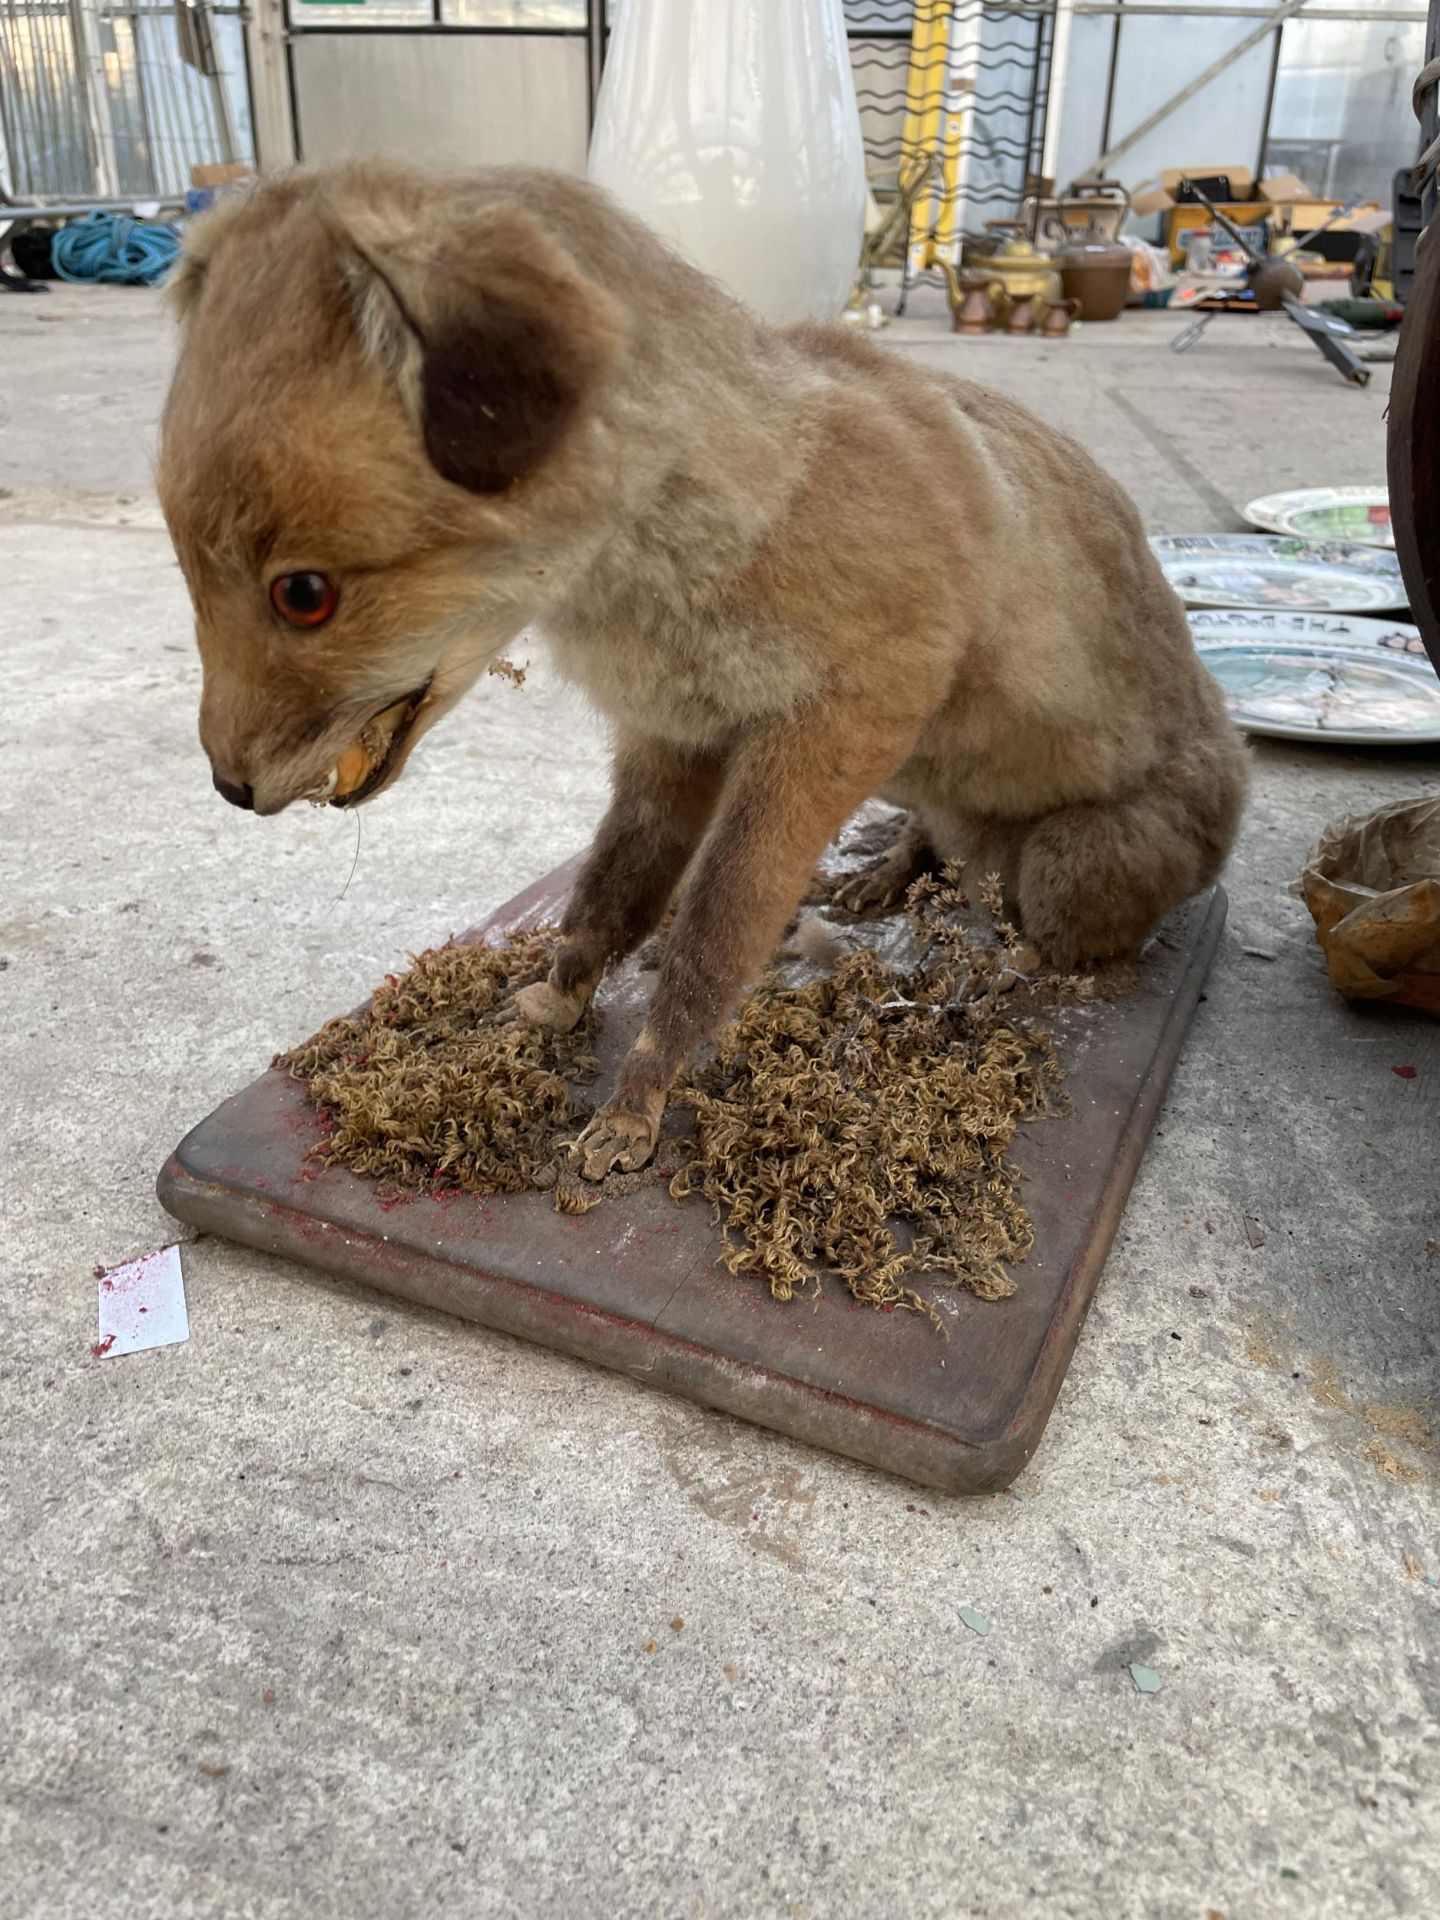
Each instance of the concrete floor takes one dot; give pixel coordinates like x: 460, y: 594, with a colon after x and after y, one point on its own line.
x: 343, y: 1609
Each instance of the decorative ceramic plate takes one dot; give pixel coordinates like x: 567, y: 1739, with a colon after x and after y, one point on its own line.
x: 1327, y: 513
x: 1264, y: 570
x: 1306, y: 676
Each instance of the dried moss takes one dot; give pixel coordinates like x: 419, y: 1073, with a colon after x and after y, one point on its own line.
x: 431, y: 1085
x: 860, y: 1121
x: 863, y: 1122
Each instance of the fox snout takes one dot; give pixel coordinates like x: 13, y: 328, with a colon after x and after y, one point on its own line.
x: 242, y: 734
x: 239, y: 793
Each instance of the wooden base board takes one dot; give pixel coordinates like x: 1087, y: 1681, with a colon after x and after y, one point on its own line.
x: 635, y: 1285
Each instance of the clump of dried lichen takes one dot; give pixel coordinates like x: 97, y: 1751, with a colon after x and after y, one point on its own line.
x: 431, y: 1085
x: 860, y: 1122
x: 863, y: 1122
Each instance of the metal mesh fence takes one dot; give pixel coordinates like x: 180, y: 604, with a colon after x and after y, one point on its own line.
x: 118, y: 100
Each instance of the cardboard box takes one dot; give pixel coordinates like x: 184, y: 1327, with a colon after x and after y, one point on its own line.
x: 1240, y: 213
x: 1164, y: 197
x: 1293, y: 221
x: 211, y: 182
x: 227, y: 175
x: 1283, y: 200
x: 1301, y: 216
x: 1281, y: 187
x: 1147, y: 200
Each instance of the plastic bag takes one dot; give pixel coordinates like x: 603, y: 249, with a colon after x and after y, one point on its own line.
x: 1150, y: 270
x: 1373, y: 889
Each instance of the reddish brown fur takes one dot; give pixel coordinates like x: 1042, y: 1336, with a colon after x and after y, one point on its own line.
x: 794, y: 569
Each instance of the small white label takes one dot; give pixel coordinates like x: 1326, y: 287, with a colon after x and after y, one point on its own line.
x: 142, y: 1305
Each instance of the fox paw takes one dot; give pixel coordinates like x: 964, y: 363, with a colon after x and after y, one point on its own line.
x: 877, y: 888
x: 616, y: 1141
x: 543, y: 1005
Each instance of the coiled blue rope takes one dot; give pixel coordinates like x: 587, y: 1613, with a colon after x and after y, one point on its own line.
x: 113, y: 248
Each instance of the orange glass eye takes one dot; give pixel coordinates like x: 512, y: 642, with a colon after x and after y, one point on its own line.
x: 304, y: 599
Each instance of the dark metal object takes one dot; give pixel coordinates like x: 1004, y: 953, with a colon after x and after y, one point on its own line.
x: 635, y: 1284
x: 1272, y: 281
x: 1266, y: 278
x: 1273, y: 285
x: 1413, y: 444
x: 1270, y: 85
x: 597, y: 40
x: 1409, y: 223
x: 1332, y: 336
x: 1114, y: 65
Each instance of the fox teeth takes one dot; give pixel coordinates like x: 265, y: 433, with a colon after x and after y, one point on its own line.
x: 317, y: 796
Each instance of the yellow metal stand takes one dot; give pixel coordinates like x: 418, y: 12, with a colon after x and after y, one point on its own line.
x: 931, y: 139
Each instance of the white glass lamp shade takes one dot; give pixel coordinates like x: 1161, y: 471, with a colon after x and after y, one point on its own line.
x: 730, y: 126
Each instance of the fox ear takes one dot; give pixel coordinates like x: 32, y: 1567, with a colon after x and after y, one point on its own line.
x: 202, y: 237
x: 494, y: 335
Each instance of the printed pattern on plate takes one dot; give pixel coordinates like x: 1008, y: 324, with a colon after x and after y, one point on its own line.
x: 1296, y: 676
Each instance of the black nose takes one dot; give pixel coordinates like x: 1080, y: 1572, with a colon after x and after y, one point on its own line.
x: 237, y: 796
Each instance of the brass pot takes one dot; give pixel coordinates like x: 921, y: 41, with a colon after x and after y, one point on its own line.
x: 1022, y: 273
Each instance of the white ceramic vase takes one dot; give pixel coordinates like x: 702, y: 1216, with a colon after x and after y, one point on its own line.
x: 730, y: 126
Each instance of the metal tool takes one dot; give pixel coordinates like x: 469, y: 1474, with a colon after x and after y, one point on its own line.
x: 1273, y: 284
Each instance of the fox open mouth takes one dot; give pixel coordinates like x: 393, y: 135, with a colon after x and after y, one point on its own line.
x: 364, y: 766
